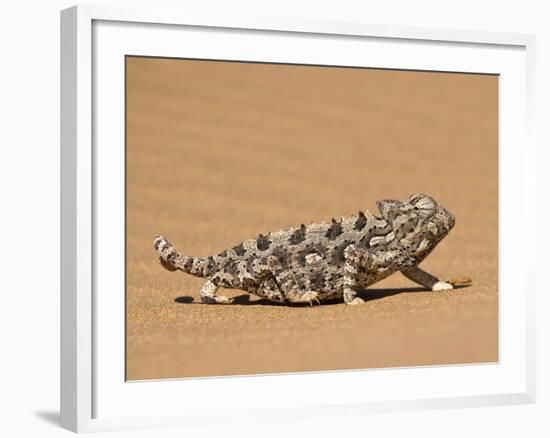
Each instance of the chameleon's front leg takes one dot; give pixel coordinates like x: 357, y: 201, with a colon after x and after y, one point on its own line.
x: 354, y: 258
x: 426, y: 279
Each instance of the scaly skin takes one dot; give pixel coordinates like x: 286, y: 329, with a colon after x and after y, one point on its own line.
x: 325, y: 260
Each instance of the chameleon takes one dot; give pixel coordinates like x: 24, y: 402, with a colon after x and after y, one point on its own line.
x: 324, y: 261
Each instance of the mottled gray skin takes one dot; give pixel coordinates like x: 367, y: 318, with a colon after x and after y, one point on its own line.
x: 326, y: 260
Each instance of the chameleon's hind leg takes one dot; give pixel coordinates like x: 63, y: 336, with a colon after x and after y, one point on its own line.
x: 293, y: 291
x: 289, y: 285
x: 354, y: 259
x: 208, y: 293
x: 270, y: 290
x: 426, y: 279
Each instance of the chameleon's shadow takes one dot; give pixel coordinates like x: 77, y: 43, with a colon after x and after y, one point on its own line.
x: 366, y: 294
x: 377, y: 294
x: 184, y: 300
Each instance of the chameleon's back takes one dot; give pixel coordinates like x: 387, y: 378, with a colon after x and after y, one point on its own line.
x: 316, y: 259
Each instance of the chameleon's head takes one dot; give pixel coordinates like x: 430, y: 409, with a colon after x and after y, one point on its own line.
x: 419, y: 223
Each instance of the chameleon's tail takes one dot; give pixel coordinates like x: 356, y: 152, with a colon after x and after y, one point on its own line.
x: 173, y: 260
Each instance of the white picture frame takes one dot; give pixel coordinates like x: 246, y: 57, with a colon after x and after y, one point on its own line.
x: 94, y: 395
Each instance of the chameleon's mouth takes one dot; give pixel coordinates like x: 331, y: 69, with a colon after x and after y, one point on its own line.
x: 446, y: 219
x: 451, y: 221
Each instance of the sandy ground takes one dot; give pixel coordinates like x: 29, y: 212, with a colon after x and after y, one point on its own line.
x: 218, y: 152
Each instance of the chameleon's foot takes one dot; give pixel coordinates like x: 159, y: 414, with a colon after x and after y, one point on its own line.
x: 356, y: 301
x: 208, y: 294
x: 441, y: 286
x: 309, y: 296
x: 216, y: 299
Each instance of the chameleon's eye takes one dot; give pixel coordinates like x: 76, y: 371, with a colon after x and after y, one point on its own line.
x: 424, y: 205
x: 415, y: 197
x: 423, y: 202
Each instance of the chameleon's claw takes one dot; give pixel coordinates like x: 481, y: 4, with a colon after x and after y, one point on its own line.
x: 314, y: 300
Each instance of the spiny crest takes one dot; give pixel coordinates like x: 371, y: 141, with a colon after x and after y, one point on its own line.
x: 239, y: 249
x: 334, y: 230
x: 360, y: 222
x: 263, y: 242
x: 298, y: 236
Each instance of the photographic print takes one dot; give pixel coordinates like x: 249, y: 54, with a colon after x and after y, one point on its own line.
x: 300, y: 218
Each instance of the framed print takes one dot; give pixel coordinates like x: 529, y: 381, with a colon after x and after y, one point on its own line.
x: 246, y: 203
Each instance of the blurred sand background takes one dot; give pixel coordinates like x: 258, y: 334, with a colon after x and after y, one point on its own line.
x: 218, y: 152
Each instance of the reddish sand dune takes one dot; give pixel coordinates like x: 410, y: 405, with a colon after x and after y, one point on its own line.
x: 218, y: 152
